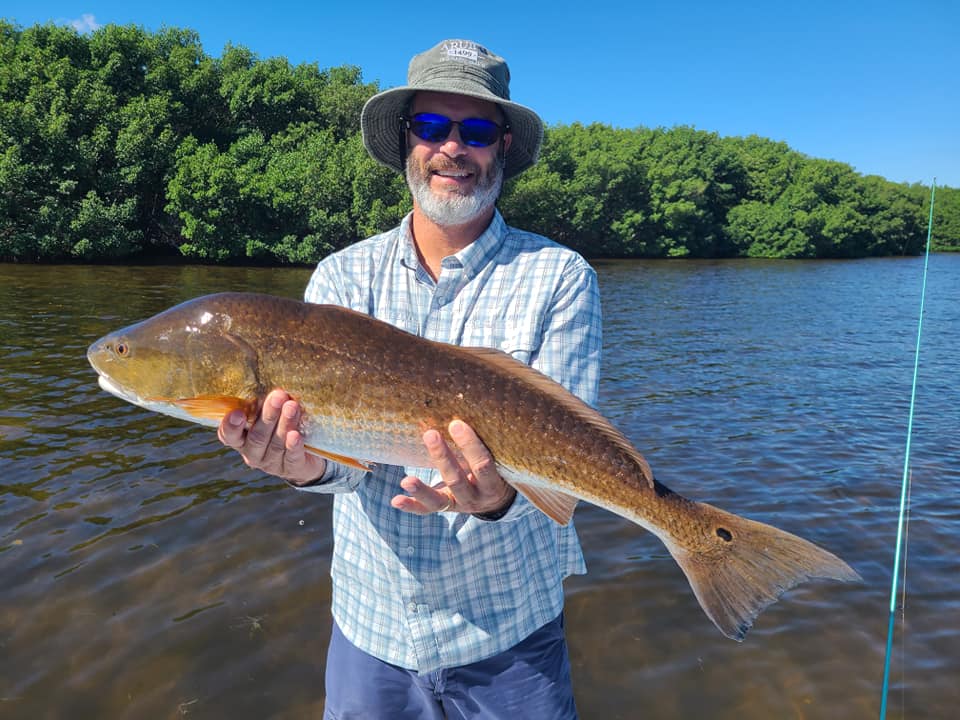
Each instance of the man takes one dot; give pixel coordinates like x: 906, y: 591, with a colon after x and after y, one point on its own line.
x: 447, y: 585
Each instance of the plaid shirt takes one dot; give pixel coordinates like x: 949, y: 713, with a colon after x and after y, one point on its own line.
x: 449, y: 589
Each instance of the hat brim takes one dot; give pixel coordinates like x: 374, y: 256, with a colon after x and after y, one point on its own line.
x: 380, y: 125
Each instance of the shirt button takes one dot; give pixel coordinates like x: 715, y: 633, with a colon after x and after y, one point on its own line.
x: 410, y: 550
x: 411, y: 607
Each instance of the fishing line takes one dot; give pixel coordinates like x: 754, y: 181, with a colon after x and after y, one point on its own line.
x: 903, y: 606
x: 905, y: 483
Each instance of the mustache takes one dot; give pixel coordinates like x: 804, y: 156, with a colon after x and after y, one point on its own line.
x: 453, y: 164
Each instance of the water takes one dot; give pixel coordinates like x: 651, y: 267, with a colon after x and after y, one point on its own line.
x: 146, y: 573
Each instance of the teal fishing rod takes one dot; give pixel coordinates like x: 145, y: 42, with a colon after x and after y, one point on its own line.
x: 905, y: 483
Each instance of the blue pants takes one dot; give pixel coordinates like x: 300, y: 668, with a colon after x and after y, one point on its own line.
x: 530, y: 680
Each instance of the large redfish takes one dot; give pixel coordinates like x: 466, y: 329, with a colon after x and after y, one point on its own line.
x: 369, y: 390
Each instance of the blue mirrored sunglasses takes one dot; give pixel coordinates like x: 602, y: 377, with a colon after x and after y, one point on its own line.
x: 475, y: 132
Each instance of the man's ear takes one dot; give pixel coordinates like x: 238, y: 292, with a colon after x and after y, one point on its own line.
x: 505, y: 141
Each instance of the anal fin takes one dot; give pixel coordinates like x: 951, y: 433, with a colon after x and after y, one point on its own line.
x: 342, y: 459
x: 556, y: 505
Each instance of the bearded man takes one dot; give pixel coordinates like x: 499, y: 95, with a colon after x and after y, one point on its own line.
x: 447, y: 586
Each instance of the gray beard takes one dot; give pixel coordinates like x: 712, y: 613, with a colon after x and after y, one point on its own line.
x: 454, y: 209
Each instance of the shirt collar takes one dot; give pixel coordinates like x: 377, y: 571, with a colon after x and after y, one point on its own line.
x: 408, y: 253
x: 475, y: 256
x: 472, y: 258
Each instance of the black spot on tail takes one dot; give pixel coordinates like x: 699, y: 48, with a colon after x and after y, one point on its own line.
x: 724, y: 534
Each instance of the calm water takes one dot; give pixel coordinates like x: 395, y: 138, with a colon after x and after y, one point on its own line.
x: 146, y: 573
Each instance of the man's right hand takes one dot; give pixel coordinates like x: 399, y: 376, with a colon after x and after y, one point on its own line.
x: 273, y: 443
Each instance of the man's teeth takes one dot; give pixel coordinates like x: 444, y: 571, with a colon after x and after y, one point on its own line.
x: 453, y: 173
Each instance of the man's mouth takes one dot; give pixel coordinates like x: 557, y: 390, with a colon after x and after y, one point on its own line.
x: 453, y: 173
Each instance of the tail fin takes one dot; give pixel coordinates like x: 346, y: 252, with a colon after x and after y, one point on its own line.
x: 746, y: 565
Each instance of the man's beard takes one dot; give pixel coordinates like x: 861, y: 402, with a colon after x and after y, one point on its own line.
x: 454, y: 208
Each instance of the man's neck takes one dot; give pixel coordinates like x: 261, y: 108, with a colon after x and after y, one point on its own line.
x: 435, y: 242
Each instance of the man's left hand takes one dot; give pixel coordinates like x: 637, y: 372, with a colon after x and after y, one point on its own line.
x: 475, y: 488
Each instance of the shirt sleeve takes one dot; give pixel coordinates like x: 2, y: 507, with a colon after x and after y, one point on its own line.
x: 572, y: 336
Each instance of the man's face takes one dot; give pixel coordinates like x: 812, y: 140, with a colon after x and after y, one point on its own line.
x: 454, y: 183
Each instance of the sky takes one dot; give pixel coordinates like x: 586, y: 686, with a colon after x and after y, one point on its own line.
x: 872, y: 84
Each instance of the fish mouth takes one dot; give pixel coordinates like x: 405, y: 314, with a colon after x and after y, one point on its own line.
x: 107, y: 384
x: 99, y: 358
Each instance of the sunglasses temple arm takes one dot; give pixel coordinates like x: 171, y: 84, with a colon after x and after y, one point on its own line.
x: 402, y: 145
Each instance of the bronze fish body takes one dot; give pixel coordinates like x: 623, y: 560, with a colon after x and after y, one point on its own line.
x: 369, y: 390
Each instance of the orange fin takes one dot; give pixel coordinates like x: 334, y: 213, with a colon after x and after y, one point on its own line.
x: 214, y: 407
x: 342, y: 459
x: 556, y: 505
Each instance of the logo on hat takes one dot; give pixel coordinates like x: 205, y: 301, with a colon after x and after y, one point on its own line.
x: 463, y: 50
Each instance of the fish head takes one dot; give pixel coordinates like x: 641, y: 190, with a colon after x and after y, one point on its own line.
x: 188, y: 362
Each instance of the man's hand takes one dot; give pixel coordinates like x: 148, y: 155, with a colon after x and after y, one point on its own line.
x: 476, y: 488
x: 273, y: 443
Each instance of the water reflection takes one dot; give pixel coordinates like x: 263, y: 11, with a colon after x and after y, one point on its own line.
x: 147, y: 573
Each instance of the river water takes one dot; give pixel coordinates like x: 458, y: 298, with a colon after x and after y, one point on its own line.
x: 146, y: 573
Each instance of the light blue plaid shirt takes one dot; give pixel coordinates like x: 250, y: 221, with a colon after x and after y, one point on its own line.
x: 450, y: 589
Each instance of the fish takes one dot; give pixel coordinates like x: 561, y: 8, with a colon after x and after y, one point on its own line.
x: 369, y: 390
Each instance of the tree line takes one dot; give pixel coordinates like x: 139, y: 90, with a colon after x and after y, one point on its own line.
x: 132, y: 144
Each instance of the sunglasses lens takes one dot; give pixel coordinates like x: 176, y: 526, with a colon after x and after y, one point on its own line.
x: 479, y: 132
x: 430, y: 127
x: 476, y: 132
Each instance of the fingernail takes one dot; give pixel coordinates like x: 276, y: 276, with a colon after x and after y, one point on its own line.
x: 236, y: 418
x: 276, y: 401
x: 290, y: 411
x: 457, y: 428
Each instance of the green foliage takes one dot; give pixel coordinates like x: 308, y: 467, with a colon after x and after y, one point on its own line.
x: 589, y: 180
x: 126, y: 142
x: 695, y: 180
x: 946, y: 218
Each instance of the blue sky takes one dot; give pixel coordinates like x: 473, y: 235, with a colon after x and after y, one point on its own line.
x: 873, y: 84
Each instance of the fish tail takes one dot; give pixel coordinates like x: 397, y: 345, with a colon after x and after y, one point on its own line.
x: 742, y: 566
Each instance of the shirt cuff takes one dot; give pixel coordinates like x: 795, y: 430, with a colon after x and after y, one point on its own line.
x: 520, y: 507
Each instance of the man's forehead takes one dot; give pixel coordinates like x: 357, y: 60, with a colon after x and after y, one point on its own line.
x: 426, y: 101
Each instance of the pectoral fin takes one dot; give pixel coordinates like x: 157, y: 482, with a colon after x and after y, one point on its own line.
x: 557, y: 506
x: 214, y: 407
x: 342, y: 459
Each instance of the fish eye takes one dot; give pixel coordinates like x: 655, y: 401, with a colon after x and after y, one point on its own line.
x: 122, y: 349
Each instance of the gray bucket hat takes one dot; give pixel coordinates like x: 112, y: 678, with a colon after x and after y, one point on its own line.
x: 454, y: 66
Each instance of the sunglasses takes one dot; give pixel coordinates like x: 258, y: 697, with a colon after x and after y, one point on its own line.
x: 475, y: 132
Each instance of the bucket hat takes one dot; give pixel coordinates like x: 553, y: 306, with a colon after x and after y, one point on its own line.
x: 453, y: 66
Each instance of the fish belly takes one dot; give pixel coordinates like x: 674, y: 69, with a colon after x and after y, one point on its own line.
x: 382, y: 442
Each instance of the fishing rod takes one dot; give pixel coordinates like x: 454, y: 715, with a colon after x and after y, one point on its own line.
x: 905, y: 483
